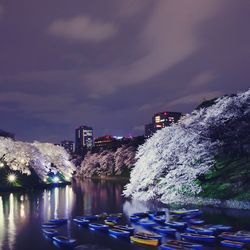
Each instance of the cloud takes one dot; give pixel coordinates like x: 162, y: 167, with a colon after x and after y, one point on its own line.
x: 168, y: 38
x: 194, y: 98
x: 82, y: 29
x: 203, y: 78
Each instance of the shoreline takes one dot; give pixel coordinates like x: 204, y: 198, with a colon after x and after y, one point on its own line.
x: 106, y: 178
x: 32, y: 188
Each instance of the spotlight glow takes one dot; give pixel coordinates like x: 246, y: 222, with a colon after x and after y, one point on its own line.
x: 56, y: 179
x: 11, y: 178
x: 1, y: 164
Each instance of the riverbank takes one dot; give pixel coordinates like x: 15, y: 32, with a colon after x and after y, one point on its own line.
x: 37, y: 187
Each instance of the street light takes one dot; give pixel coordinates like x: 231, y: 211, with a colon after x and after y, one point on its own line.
x: 1, y: 164
x: 11, y: 178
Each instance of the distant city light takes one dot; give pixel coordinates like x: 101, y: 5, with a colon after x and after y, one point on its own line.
x: 56, y: 179
x: 11, y: 178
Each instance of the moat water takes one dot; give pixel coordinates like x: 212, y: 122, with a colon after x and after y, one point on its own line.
x: 21, y: 215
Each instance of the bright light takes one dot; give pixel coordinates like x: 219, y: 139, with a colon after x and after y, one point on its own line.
x: 45, y: 179
x: 11, y: 178
x: 1, y: 164
x: 67, y: 178
x: 56, y: 179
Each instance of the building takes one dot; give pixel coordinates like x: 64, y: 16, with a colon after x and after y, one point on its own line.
x: 83, y: 139
x: 106, y: 142
x: 68, y: 145
x: 161, y: 120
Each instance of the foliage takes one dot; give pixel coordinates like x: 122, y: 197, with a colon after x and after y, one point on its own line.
x: 169, y: 163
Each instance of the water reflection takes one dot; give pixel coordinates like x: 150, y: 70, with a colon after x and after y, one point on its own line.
x: 21, y: 214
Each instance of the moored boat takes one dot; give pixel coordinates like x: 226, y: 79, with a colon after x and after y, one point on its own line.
x: 125, y: 228
x: 110, y: 222
x: 165, y: 230
x: 149, y: 235
x: 50, y: 232
x: 119, y: 215
x: 49, y: 225
x: 221, y: 228
x: 64, y: 241
x: 119, y: 233
x: 235, y: 237
x: 180, y: 245
x: 98, y: 226
x: 198, y: 237
x: 82, y: 222
x: 146, y: 223
x: 91, y: 217
x: 176, y: 224
x: 232, y: 244
x: 196, y: 222
x: 200, y: 230
x: 144, y: 240
x: 59, y: 221
x: 159, y: 218
x: 134, y: 218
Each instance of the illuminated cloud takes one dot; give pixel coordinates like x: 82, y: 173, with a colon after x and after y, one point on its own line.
x: 82, y: 28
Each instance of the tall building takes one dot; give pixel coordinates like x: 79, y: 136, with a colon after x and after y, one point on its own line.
x: 161, y: 120
x: 68, y: 145
x: 84, y: 139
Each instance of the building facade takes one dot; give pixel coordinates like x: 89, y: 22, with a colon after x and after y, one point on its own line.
x: 68, y: 145
x: 161, y: 120
x: 83, y: 139
x: 105, y: 142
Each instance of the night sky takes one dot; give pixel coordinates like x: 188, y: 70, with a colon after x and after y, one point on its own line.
x: 112, y: 64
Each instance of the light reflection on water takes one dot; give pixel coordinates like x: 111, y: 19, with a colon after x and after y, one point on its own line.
x: 21, y: 214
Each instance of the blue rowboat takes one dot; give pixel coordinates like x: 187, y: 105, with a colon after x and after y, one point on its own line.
x: 196, y: 222
x: 50, y: 232
x: 165, y: 230
x: 82, y: 222
x: 180, y: 245
x: 235, y: 237
x: 149, y: 235
x: 134, y: 218
x: 232, y: 244
x: 91, y: 217
x: 110, y: 221
x: 49, y: 225
x: 118, y: 232
x: 176, y: 224
x: 98, y: 226
x: 198, y: 237
x: 64, y: 241
x: 141, y: 215
x: 159, y: 218
x: 125, y: 228
x: 58, y: 221
x: 146, y: 223
x: 200, y: 230
x: 221, y: 228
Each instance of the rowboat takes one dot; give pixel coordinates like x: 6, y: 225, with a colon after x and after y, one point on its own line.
x: 221, y: 228
x: 159, y: 218
x: 184, y: 211
x: 180, y: 245
x: 91, y: 217
x: 176, y: 224
x: 235, y: 237
x: 144, y: 241
x: 58, y: 221
x: 149, y: 235
x: 118, y: 232
x: 134, y: 218
x: 198, y: 237
x: 200, y: 230
x: 82, y: 222
x: 232, y: 244
x: 50, y: 232
x: 141, y: 215
x: 110, y: 222
x: 49, y: 225
x: 146, y: 223
x: 196, y: 222
x: 64, y: 241
x: 165, y: 230
x: 98, y: 226
x: 125, y: 228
